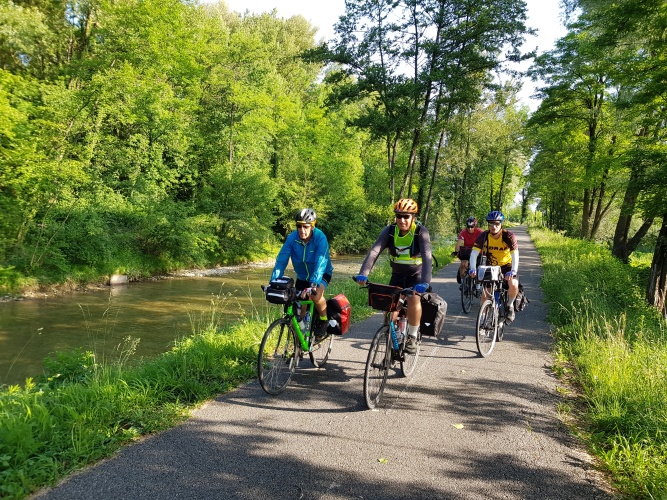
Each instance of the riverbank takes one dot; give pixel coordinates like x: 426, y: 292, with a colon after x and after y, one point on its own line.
x: 45, y: 291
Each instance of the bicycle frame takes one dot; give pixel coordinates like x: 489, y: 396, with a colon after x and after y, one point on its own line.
x: 290, y: 312
x: 386, y: 349
x: 497, y: 292
x: 285, y: 342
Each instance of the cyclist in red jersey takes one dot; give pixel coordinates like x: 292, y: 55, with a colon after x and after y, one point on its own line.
x: 464, y: 244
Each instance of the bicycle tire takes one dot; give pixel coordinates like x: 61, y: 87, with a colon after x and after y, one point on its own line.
x: 409, y: 362
x: 502, y: 319
x: 278, y: 356
x: 319, y: 351
x: 487, y: 326
x: 467, y: 287
x: 377, y: 367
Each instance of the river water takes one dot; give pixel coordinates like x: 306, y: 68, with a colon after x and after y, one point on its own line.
x: 109, y: 321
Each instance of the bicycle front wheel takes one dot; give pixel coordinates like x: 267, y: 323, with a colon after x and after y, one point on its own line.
x: 487, y: 324
x: 377, y: 367
x: 410, y: 360
x: 319, y: 351
x: 467, y: 291
x: 278, y: 355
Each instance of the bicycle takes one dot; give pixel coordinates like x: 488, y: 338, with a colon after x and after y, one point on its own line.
x: 492, y: 312
x: 388, y: 344
x: 286, y: 340
x: 468, y: 291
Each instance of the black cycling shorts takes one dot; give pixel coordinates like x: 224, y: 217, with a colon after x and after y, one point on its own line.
x: 405, y: 280
x: 303, y: 284
x: 464, y: 253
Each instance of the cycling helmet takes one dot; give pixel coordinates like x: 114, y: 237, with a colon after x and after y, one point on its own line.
x: 406, y: 206
x: 471, y: 221
x: 306, y: 216
x: 495, y: 215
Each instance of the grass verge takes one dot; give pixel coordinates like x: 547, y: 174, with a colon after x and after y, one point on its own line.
x: 613, y: 346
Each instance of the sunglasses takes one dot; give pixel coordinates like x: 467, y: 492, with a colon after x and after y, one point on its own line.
x: 403, y: 216
x: 303, y: 226
x: 494, y: 223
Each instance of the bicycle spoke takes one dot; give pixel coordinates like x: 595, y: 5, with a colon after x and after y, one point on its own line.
x: 409, y: 362
x: 467, y: 291
x: 278, y: 356
x: 486, y: 328
x: 377, y: 366
x: 319, y: 352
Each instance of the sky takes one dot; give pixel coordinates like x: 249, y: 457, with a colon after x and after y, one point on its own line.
x: 543, y: 15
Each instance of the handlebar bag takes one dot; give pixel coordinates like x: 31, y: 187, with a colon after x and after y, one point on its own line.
x: 383, y: 297
x: 339, y: 310
x: 434, y: 311
x: 282, y: 283
x: 280, y: 296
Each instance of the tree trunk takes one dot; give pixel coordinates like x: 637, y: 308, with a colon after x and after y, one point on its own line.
x: 620, y: 242
x: 657, y: 283
x: 435, y: 171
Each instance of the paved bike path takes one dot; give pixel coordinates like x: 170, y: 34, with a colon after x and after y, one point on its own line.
x: 461, y: 427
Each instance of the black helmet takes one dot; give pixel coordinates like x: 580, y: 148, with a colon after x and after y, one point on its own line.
x: 306, y: 216
x: 471, y: 221
x: 495, y: 215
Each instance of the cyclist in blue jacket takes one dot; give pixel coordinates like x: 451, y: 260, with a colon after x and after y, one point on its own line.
x: 308, y: 248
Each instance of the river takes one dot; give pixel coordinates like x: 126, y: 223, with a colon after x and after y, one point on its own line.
x: 110, y: 321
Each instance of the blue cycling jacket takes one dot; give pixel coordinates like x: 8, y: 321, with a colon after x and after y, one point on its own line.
x: 311, y: 260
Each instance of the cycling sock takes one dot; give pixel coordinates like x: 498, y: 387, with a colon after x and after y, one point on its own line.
x: 510, y: 302
x: 323, y: 318
x: 412, y: 330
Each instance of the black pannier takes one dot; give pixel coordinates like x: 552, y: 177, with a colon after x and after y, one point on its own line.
x: 434, y: 311
x: 521, y: 300
x: 383, y: 297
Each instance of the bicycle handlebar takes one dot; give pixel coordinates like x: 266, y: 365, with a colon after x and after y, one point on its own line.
x: 309, y: 290
x: 404, y: 291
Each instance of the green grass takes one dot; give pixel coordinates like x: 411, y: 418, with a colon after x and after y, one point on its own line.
x: 615, y: 346
x: 82, y: 411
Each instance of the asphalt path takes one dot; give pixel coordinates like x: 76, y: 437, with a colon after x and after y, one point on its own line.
x: 460, y: 427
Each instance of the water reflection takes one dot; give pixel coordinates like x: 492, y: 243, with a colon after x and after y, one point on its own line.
x: 155, y: 312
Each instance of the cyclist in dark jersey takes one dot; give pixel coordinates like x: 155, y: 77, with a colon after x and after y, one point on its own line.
x: 501, y: 249
x: 409, y: 246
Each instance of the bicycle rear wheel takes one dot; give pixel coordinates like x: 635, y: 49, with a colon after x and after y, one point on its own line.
x: 487, y: 325
x: 467, y: 290
x: 319, y: 351
x: 278, y: 356
x: 377, y: 367
x: 410, y: 360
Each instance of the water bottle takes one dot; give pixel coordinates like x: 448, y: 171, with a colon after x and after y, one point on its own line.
x: 302, y: 325
x: 402, y: 327
x: 496, y: 295
x: 306, y: 322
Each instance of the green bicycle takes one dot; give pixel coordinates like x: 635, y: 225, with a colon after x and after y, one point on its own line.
x: 288, y: 338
